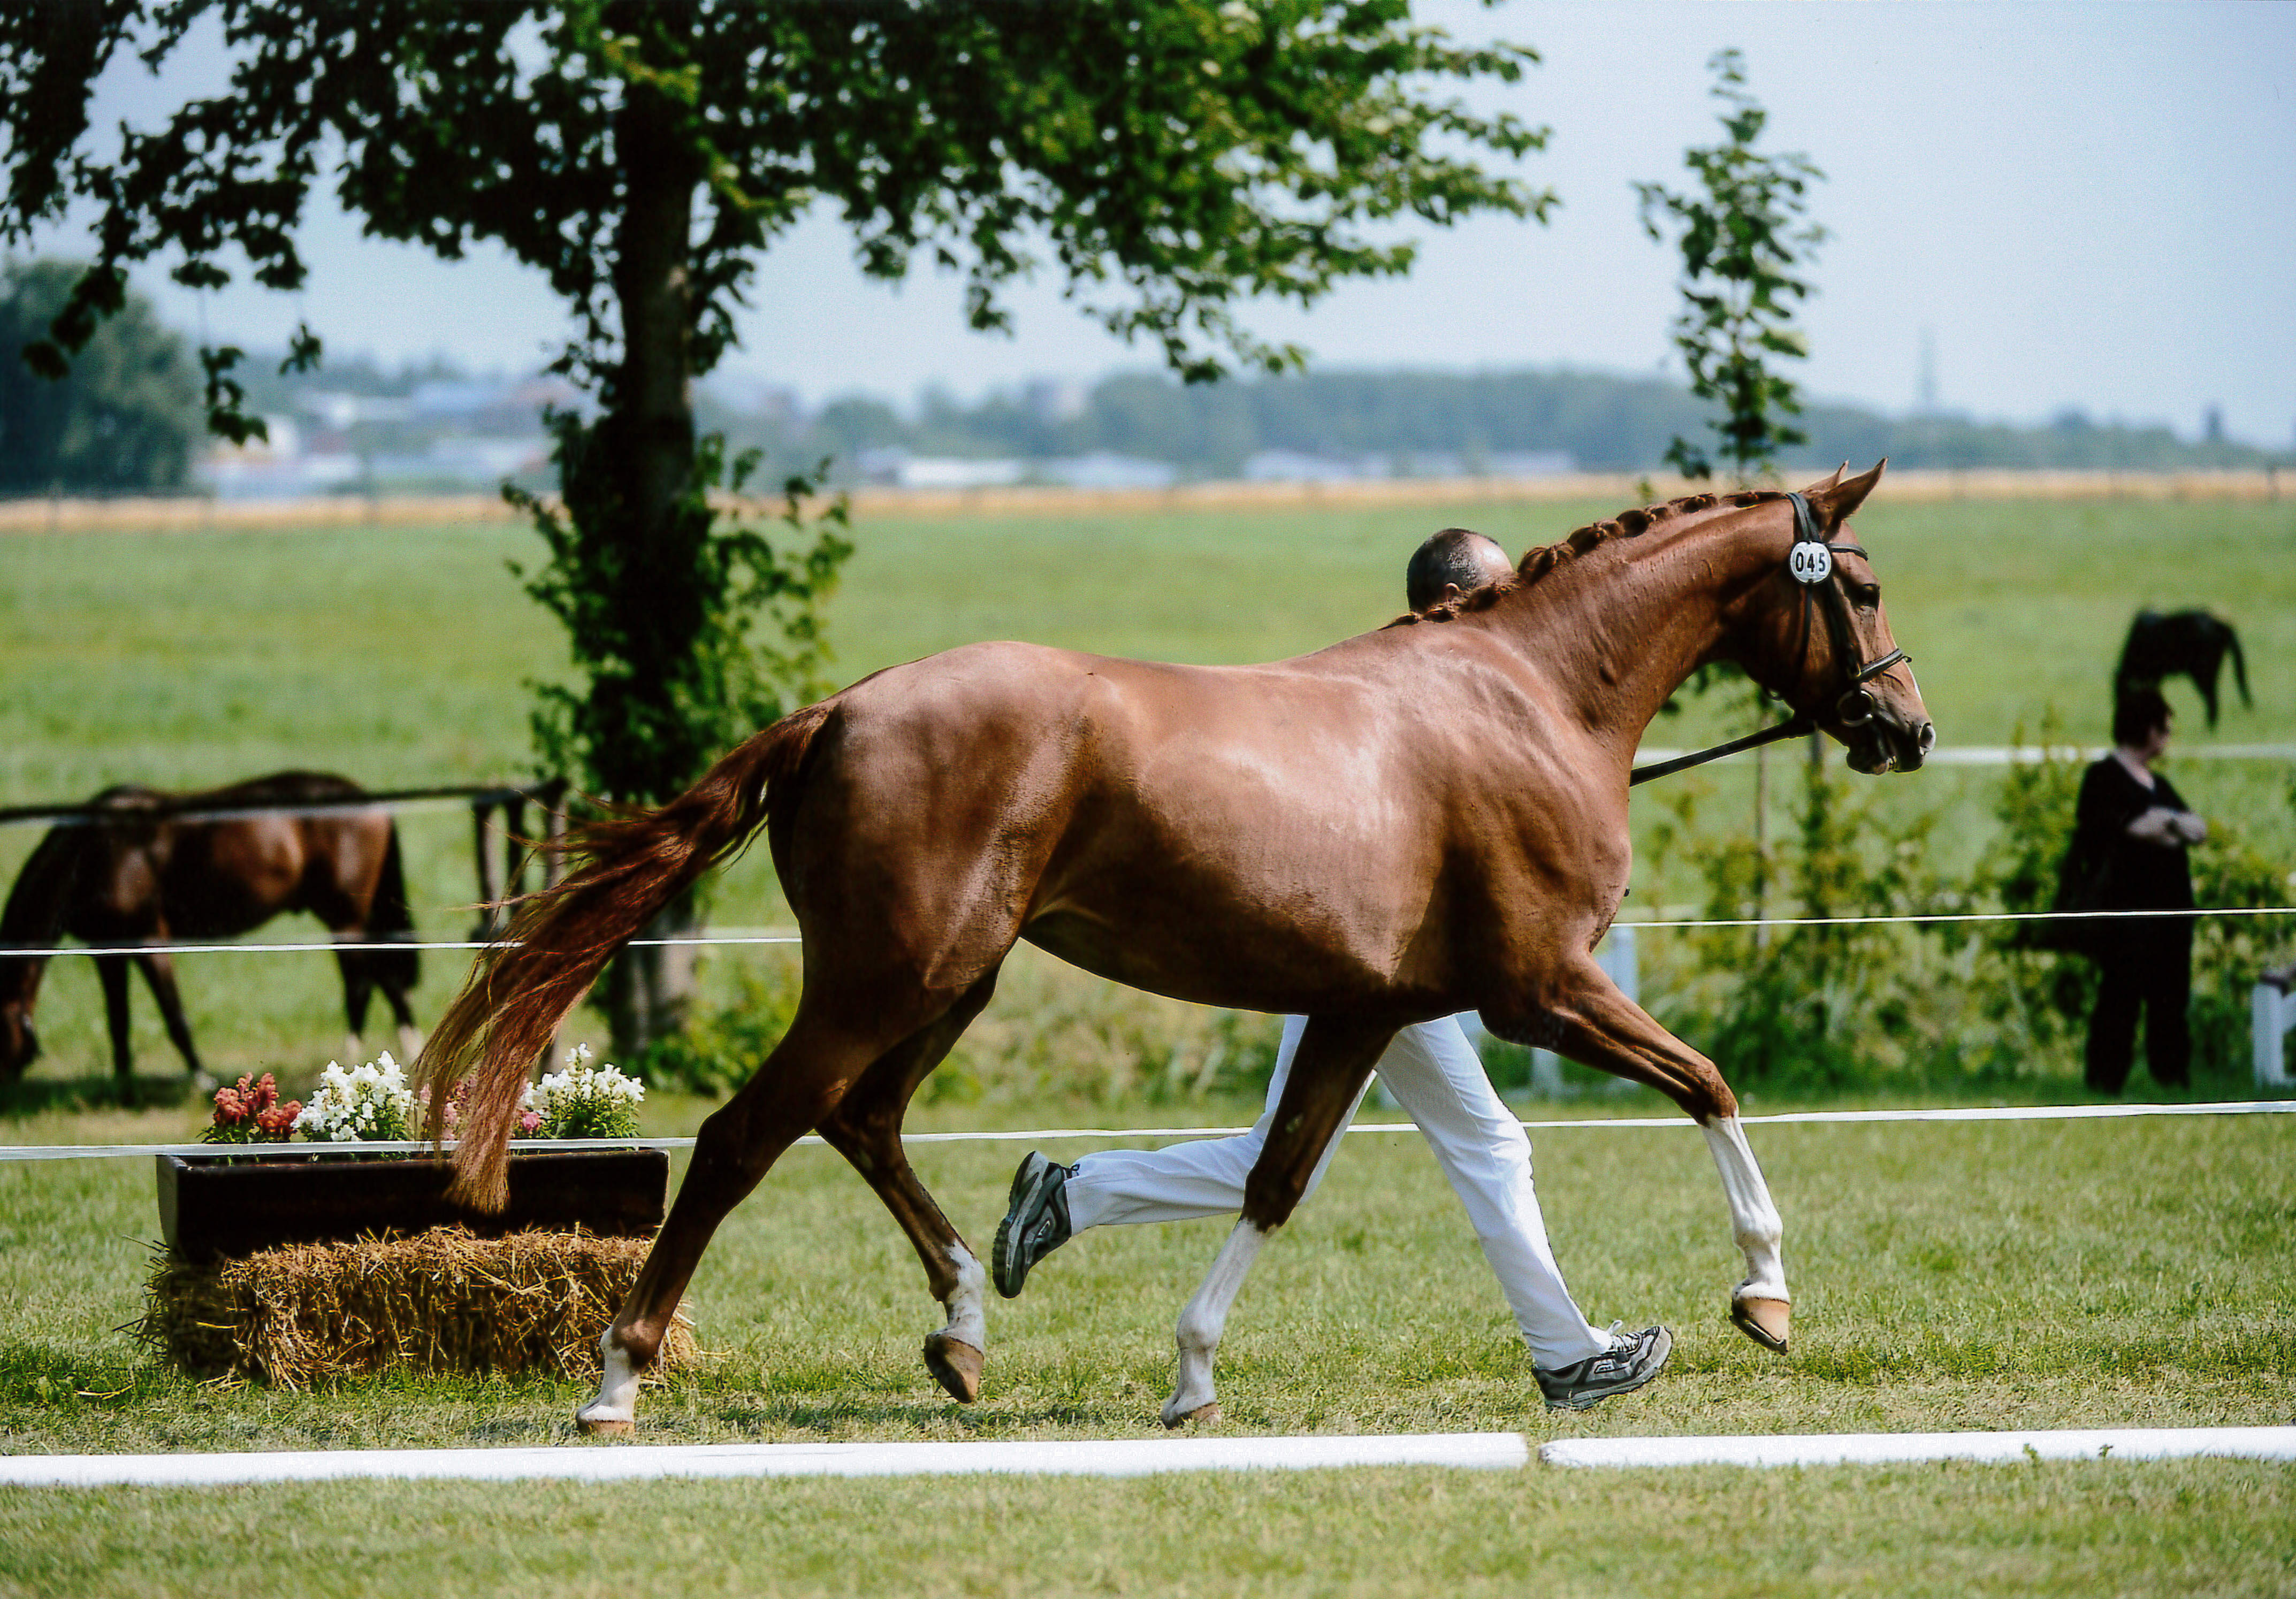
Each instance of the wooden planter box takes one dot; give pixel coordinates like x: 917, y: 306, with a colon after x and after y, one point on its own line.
x: 233, y: 1203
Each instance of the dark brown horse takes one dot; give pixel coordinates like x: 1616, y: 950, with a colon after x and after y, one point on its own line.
x: 2190, y: 643
x: 151, y: 867
x: 1426, y: 819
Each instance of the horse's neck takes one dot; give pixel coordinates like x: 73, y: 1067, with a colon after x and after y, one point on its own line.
x: 34, y: 916
x: 1618, y: 630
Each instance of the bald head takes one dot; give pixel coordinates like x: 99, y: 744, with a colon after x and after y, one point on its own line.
x: 1453, y: 562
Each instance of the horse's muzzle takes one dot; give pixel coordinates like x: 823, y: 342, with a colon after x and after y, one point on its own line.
x: 1890, y: 745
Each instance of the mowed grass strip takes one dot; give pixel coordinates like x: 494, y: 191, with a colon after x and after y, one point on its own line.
x: 2074, y: 1528
x: 1947, y: 1276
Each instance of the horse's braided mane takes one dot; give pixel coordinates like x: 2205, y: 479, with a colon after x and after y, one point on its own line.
x: 1545, y: 558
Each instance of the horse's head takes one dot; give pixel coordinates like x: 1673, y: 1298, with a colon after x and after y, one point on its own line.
x: 19, y: 1046
x: 1817, y: 636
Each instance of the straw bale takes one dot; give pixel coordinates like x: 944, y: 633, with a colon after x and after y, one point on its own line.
x: 441, y: 1300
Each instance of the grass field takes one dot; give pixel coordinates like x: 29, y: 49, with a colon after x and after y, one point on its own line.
x: 1947, y: 1276
x: 399, y: 656
x: 2057, y: 1275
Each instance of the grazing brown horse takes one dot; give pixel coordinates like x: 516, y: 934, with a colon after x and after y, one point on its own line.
x: 1425, y: 819
x: 151, y: 867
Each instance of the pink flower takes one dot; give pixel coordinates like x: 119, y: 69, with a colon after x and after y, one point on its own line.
x: 263, y: 1095
x: 278, y: 1120
x: 230, y: 1106
x: 530, y: 1122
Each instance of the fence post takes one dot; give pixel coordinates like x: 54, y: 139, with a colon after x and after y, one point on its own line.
x: 552, y: 797
x: 488, y: 891
x: 2273, y: 1013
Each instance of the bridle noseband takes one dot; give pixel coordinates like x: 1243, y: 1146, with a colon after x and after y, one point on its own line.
x: 1810, y: 563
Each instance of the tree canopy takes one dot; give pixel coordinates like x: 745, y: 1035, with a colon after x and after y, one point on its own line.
x: 1742, y: 242
x: 1169, y: 161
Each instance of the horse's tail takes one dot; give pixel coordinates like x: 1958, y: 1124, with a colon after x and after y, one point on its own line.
x: 390, y: 914
x: 560, y: 938
x: 2239, y: 665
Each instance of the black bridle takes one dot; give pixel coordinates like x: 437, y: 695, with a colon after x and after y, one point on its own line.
x: 1810, y: 562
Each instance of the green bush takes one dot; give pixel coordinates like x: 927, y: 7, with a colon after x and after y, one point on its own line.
x: 1809, y: 1006
x: 1937, y: 1004
x: 719, y: 1051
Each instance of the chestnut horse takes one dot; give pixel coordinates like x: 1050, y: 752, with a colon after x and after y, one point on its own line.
x: 1425, y: 819
x: 149, y: 867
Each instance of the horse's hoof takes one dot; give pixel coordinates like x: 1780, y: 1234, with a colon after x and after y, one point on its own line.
x: 1762, y: 1320
x: 605, y: 1426
x: 955, y: 1365
x: 1206, y: 1413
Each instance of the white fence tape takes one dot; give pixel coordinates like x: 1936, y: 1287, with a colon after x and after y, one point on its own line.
x: 1085, y: 1458
x: 2242, y: 1107
x: 1893, y: 1448
x: 704, y: 940
x: 1130, y: 1456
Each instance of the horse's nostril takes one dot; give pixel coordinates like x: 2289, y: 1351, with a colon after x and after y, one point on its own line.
x: 1928, y: 739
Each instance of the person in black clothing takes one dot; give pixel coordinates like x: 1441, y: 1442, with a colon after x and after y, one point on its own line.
x: 2131, y: 818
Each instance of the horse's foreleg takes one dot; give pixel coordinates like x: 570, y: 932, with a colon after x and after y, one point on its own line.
x: 800, y: 1082
x: 112, y: 970
x: 160, y: 974
x: 865, y: 1129
x: 1328, y: 1073
x: 1760, y: 1306
x: 1588, y: 1020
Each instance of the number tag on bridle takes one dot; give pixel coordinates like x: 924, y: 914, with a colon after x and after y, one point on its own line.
x: 1810, y: 562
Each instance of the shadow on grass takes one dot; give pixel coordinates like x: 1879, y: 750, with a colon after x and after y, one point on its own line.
x: 29, y: 1096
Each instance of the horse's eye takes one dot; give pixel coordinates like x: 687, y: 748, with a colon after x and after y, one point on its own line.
x: 1868, y: 595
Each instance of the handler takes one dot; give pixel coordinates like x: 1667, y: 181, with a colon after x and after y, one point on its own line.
x: 1435, y: 1075
x: 2131, y: 821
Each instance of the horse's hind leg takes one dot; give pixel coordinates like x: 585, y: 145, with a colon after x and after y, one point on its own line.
x: 359, y: 992
x: 1586, y: 1018
x: 1332, y: 1064
x: 410, y: 1036
x: 865, y: 1129
x: 800, y: 1082
x: 160, y: 973
x: 366, y: 971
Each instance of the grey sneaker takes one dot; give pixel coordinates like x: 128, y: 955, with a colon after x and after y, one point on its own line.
x: 1633, y: 1359
x: 1036, y: 1222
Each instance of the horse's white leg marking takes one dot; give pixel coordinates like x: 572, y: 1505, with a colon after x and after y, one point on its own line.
x: 410, y: 1044
x: 616, y: 1406
x: 1753, y: 1218
x: 1203, y: 1321
x: 968, y: 1318
x: 955, y: 1355
x: 352, y: 1051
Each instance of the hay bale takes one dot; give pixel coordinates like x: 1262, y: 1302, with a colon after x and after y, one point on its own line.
x: 441, y: 1300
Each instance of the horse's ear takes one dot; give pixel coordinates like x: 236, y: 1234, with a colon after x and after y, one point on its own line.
x: 1840, y: 500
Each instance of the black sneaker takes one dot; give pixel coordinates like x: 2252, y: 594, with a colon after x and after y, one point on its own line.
x: 1633, y: 1359
x: 1036, y: 1222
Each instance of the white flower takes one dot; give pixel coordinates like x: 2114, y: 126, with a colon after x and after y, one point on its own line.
x: 584, y: 1101
x: 371, y: 1101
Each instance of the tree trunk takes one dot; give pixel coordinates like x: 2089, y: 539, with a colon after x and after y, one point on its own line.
x: 648, y: 993
x: 650, y: 435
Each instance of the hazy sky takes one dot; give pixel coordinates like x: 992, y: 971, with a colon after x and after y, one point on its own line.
x: 2089, y: 205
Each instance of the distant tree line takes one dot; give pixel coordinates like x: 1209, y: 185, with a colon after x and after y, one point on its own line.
x: 127, y: 418
x: 1602, y: 422
x: 122, y: 421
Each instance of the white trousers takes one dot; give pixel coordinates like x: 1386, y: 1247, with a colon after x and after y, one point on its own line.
x: 1435, y: 1075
